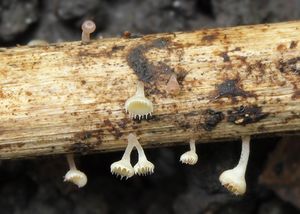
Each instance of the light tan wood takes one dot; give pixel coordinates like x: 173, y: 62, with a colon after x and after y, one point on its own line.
x: 69, y: 97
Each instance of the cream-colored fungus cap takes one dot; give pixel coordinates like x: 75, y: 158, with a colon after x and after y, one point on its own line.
x: 138, y: 105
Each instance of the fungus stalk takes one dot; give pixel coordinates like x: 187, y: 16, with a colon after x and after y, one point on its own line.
x: 143, y: 166
x: 138, y: 105
x: 190, y: 157
x: 123, y: 167
x: 74, y: 175
x: 173, y: 86
x: 234, y: 179
x: 87, y: 27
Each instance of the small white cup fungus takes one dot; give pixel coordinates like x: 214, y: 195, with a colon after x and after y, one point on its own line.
x: 234, y: 179
x: 138, y: 105
x: 124, y: 168
x: 143, y: 166
x: 87, y: 27
x: 190, y: 157
x: 74, y: 175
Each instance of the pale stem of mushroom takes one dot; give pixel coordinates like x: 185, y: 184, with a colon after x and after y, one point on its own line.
x: 128, y: 150
x: 192, y: 145
x: 71, y: 162
x: 140, y: 89
x: 85, y: 37
x: 139, y: 149
x: 242, y: 165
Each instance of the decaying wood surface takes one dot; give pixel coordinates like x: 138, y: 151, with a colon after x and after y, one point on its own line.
x: 70, y: 97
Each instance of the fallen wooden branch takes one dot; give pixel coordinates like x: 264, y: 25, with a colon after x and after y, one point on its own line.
x: 69, y: 97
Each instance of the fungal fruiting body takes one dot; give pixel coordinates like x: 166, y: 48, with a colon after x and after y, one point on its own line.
x: 234, y: 179
x: 143, y: 166
x: 124, y: 168
x: 37, y: 42
x: 138, y: 105
x: 87, y: 27
x: 190, y: 157
x: 74, y: 175
x: 173, y: 86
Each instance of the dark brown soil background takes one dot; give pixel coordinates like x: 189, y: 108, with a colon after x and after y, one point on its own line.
x: 35, y: 186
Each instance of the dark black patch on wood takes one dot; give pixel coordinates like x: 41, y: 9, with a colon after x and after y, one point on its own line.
x: 225, y: 56
x: 244, y: 115
x: 231, y: 88
x: 291, y: 65
x: 143, y: 68
x: 212, y: 118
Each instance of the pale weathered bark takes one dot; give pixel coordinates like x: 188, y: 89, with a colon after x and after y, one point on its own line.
x: 70, y: 97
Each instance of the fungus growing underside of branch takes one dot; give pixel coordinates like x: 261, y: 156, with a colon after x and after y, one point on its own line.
x: 234, y: 179
x: 123, y: 167
x: 69, y: 97
x: 74, y: 175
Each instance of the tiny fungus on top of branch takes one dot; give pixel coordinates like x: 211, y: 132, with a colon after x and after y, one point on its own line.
x: 87, y: 27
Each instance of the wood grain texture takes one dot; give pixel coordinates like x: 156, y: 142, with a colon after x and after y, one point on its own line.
x: 70, y: 97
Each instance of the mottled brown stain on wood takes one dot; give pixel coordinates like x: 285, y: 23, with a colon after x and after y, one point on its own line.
x: 231, y: 88
x: 145, y: 70
x: 281, y: 48
x: 114, y: 130
x: 210, y: 38
x: 211, y: 119
x: 296, y: 95
x: 225, y: 56
x: 81, y: 148
x: 293, y: 44
x: 28, y: 93
x: 244, y: 115
x: 290, y: 65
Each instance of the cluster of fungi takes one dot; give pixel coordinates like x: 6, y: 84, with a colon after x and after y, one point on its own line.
x: 138, y: 106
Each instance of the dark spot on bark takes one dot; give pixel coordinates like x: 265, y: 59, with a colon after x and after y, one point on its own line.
x: 293, y: 44
x: 19, y: 145
x: 28, y: 93
x: 291, y: 65
x: 82, y: 148
x: 210, y: 38
x: 281, y: 47
x: 83, y: 82
x: 7, y: 146
x: 144, y: 69
x: 225, y: 56
x: 296, y: 95
x: 231, y: 88
x: 113, y: 129
x: 123, y: 123
x: 185, y: 125
x: 244, y: 115
x: 181, y: 73
x: 236, y: 49
x: 117, y: 48
x: 129, y: 35
x: 86, y: 53
x: 212, y: 118
x: 82, y: 136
